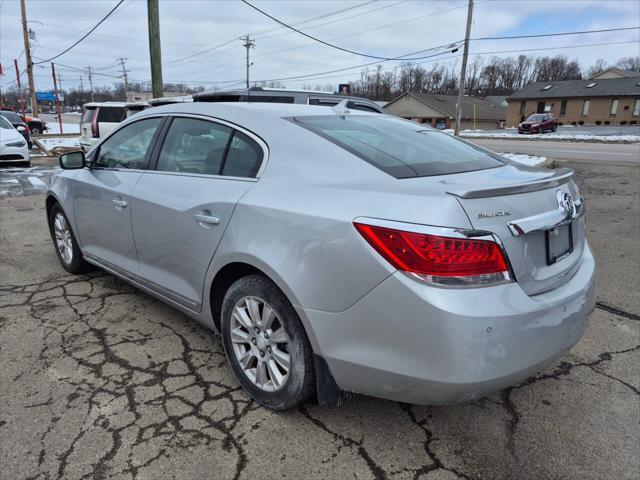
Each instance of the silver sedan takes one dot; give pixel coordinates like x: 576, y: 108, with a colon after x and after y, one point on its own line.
x: 335, y: 251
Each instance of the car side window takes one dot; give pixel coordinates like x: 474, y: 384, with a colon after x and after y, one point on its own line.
x: 243, y: 158
x: 127, y: 148
x: 194, y: 146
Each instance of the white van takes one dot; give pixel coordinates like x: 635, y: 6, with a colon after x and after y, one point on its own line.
x: 98, y: 119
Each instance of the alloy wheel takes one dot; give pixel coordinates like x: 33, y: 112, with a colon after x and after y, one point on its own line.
x: 260, y: 343
x: 64, y: 242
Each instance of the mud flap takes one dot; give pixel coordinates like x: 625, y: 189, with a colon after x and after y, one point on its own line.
x: 329, y: 394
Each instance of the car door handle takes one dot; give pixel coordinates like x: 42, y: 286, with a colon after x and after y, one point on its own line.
x: 119, y: 204
x: 208, y: 219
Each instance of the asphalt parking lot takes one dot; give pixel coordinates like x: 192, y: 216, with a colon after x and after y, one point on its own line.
x: 98, y: 380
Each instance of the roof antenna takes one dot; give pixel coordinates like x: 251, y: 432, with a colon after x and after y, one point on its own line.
x: 341, y: 108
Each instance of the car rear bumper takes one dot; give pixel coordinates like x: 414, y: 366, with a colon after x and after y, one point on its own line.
x: 410, y: 342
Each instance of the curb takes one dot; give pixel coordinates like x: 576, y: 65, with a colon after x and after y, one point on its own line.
x: 572, y: 140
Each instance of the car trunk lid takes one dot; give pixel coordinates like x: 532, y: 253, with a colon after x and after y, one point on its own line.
x: 522, y: 205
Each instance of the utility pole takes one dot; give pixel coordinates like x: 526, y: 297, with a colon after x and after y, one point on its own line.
x: 81, y: 85
x: 90, y: 81
x: 126, y: 80
x: 153, y: 15
x: 55, y: 90
x: 248, y: 44
x: 27, y: 53
x: 20, y: 93
x: 463, y: 70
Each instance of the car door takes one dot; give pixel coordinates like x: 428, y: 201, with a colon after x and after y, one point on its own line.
x: 181, y: 205
x: 102, y: 195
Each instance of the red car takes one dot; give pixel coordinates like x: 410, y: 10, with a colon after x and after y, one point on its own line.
x: 539, y: 123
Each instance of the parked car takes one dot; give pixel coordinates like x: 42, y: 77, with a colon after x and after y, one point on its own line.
x: 98, y: 119
x: 18, y: 123
x: 13, y: 146
x: 539, y: 123
x: 36, y: 125
x: 135, y: 107
x: 275, y: 95
x: 335, y: 250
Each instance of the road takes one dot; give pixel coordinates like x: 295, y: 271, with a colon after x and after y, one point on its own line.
x: 598, y: 153
x: 99, y: 380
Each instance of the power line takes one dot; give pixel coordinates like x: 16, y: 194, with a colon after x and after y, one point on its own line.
x: 233, y: 40
x: 322, y: 41
x: 299, y: 77
x: 86, y: 34
x: 510, y: 37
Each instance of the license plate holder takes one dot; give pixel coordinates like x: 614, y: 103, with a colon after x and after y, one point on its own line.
x: 559, y: 243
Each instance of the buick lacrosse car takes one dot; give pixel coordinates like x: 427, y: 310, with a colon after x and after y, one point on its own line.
x: 333, y: 250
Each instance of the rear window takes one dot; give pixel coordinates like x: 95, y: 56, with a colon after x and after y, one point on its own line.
x: 87, y: 115
x: 12, y: 117
x: 111, y: 114
x: 266, y: 99
x: 398, y: 147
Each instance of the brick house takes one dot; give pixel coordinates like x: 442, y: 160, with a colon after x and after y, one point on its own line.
x: 440, y: 110
x: 610, y: 97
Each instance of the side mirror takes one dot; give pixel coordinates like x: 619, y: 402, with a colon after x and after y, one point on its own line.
x: 72, y: 160
x: 21, y: 129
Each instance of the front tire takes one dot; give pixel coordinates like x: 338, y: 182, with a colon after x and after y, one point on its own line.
x: 65, y: 242
x: 266, y: 344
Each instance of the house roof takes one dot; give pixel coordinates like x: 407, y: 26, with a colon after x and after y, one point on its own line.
x: 485, y: 108
x: 616, y: 71
x: 610, y: 87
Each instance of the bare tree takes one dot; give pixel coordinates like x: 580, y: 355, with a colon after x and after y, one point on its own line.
x: 631, y: 64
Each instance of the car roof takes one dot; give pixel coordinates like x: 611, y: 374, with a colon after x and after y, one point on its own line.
x: 104, y: 104
x: 260, y: 118
x: 275, y: 92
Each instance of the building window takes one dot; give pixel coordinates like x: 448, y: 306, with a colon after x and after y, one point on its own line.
x: 523, y: 104
x: 636, y: 108
x: 614, y: 106
x: 585, y: 108
x: 563, y: 107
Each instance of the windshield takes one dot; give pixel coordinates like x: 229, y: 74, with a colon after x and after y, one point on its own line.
x: 399, y: 147
x: 4, y: 123
x: 535, y: 118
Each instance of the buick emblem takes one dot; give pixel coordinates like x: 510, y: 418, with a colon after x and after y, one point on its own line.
x: 565, y: 201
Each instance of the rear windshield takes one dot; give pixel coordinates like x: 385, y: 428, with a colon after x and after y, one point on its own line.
x: 399, y: 147
x: 4, y: 123
x: 87, y: 115
x: 111, y: 114
x: 12, y: 117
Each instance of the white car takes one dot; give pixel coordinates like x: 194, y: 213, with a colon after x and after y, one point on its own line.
x: 13, y: 146
x: 98, y: 120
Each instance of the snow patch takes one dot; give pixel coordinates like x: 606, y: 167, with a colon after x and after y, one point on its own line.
x: 53, y: 127
x: 53, y: 142
x: 529, y: 160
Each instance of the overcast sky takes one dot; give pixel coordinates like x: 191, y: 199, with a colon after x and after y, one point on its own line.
x: 387, y: 28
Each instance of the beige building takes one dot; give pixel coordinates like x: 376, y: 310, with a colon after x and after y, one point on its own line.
x: 611, y: 97
x: 485, y: 113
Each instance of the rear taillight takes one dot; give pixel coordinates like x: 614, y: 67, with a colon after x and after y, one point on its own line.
x: 95, y: 131
x: 441, y: 260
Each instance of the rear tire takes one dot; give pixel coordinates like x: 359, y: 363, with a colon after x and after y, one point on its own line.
x: 65, y: 244
x: 266, y: 344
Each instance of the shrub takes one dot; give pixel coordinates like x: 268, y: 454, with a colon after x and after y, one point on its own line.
x: 581, y: 122
x: 623, y: 122
x: 573, y: 123
x: 598, y: 122
x: 633, y: 122
x: 560, y: 124
x: 607, y: 122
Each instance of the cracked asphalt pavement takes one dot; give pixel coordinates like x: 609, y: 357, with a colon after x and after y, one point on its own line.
x: 98, y: 380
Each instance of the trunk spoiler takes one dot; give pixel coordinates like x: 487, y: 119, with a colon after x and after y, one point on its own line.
x: 560, y: 176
